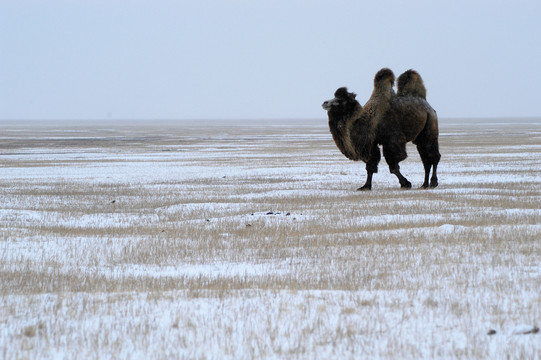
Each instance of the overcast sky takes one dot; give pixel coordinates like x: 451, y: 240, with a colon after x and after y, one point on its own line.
x: 244, y: 59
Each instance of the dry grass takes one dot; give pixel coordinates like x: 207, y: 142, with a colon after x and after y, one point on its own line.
x: 245, y: 240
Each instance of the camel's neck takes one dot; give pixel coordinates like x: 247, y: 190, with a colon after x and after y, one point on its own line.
x: 362, y: 134
x: 341, y: 127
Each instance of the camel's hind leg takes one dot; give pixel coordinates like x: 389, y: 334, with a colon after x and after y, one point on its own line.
x: 434, y: 179
x: 394, y: 152
x: 430, y: 155
x: 371, y: 168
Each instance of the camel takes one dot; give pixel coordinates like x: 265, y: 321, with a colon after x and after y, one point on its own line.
x: 390, y: 120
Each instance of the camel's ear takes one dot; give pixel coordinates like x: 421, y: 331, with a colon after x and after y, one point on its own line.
x: 353, y: 96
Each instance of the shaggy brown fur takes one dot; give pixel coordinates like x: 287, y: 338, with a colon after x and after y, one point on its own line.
x: 410, y: 83
x: 346, y: 110
x: 387, y: 119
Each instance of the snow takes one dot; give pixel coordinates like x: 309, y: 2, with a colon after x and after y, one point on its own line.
x: 250, y: 241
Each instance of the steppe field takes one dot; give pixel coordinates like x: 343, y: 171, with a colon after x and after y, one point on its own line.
x: 248, y: 239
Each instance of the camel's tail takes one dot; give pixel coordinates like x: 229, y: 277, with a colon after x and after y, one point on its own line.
x: 410, y: 83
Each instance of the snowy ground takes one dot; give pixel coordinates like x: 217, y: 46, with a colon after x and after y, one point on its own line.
x: 248, y: 240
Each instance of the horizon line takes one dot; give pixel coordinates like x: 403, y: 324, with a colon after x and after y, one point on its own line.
x: 256, y: 119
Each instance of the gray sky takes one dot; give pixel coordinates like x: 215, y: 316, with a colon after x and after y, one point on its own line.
x: 239, y: 59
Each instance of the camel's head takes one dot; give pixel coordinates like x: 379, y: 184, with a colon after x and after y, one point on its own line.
x: 384, y: 78
x: 343, y: 102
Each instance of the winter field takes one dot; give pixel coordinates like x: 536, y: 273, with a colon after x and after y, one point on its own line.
x: 222, y: 240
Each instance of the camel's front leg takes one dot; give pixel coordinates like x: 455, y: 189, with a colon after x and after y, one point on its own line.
x: 371, y: 168
x: 395, y: 152
x: 404, y: 183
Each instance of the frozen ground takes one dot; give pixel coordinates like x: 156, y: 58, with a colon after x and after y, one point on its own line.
x: 217, y: 240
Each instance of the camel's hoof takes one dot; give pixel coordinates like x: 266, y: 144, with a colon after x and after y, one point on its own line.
x: 406, y: 185
x: 433, y: 184
x: 365, y: 188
